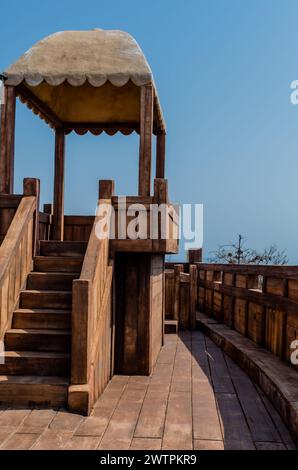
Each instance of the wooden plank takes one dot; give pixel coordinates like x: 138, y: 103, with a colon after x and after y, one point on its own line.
x: 236, y: 432
x: 152, y: 417
x: 146, y: 129
x: 258, y: 419
x: 252, y: 295
x: 249, y: 269
x: 58, y: 215
x: 120, y: 431
x: 7, y: 140
x: 178, y: 424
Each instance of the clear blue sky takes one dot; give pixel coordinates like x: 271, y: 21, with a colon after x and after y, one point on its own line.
x: 223, y: 69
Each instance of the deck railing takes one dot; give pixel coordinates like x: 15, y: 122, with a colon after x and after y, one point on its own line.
x: 260, y: 302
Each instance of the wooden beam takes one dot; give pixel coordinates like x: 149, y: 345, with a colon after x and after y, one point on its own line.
x: 160, y: 154
x: 7, y: 140
x: 25, y: 93
x: 58, y: 214
x: 146, y: 129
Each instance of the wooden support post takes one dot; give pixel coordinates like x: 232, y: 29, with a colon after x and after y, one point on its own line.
x: 58, y: 215
x: 193, y: 292
x: 178, y: 268
x: 146, y: 129
x: 7, y: 140
x: 31, y: 187
x: 106, y: 189
x: 160, y: 154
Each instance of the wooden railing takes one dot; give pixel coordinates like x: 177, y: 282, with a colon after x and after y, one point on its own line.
x: 260, y: 302
x: 17, y: 251
x: 92, y: 326
x: 181, y: 294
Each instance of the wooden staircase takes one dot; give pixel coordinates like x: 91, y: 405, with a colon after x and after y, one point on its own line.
x: 36, y: 370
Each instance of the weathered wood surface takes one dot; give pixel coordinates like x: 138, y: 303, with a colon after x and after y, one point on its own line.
x: 158, y: 412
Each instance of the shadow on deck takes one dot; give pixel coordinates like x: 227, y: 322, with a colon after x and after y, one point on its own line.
x: 196, y: 398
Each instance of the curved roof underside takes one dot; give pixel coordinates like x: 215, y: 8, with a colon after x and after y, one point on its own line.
x: 86, y: 77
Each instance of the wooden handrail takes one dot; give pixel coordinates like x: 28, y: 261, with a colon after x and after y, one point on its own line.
x: 15, y: 233
x: 16, y: 255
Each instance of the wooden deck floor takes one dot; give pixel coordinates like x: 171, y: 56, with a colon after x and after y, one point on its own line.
x: 196, y: 398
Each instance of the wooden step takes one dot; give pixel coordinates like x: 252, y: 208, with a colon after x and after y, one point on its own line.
x: 58, y: 264
x: 33, y: 391
x: 171, y: 326
x: 41, y: 318
x: 35, y: 363
x: 51, y: 281
x: 62, y: 248
x: 46, y: 299
x: 37, y: 340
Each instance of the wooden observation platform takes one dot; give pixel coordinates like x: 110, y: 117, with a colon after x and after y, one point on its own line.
x: 76, y: 308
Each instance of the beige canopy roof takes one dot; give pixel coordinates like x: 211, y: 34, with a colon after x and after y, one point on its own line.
x: 85, y: 78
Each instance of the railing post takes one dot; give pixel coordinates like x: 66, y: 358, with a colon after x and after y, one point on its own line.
x: 178, y: 268
x: 106, y: 189
x: 31, y: 187
x: 193, y: 292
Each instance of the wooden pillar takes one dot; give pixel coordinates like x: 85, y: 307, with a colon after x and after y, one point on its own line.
x: 7, y: 140
x: 160, y: 154
x: 58, y: 215
x: 146, y: 129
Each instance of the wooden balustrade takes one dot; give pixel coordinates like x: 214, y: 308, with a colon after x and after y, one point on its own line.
x: 17, y: 250
x: 181, y: 294
x: 92, y: 325
x: 260, y: 302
